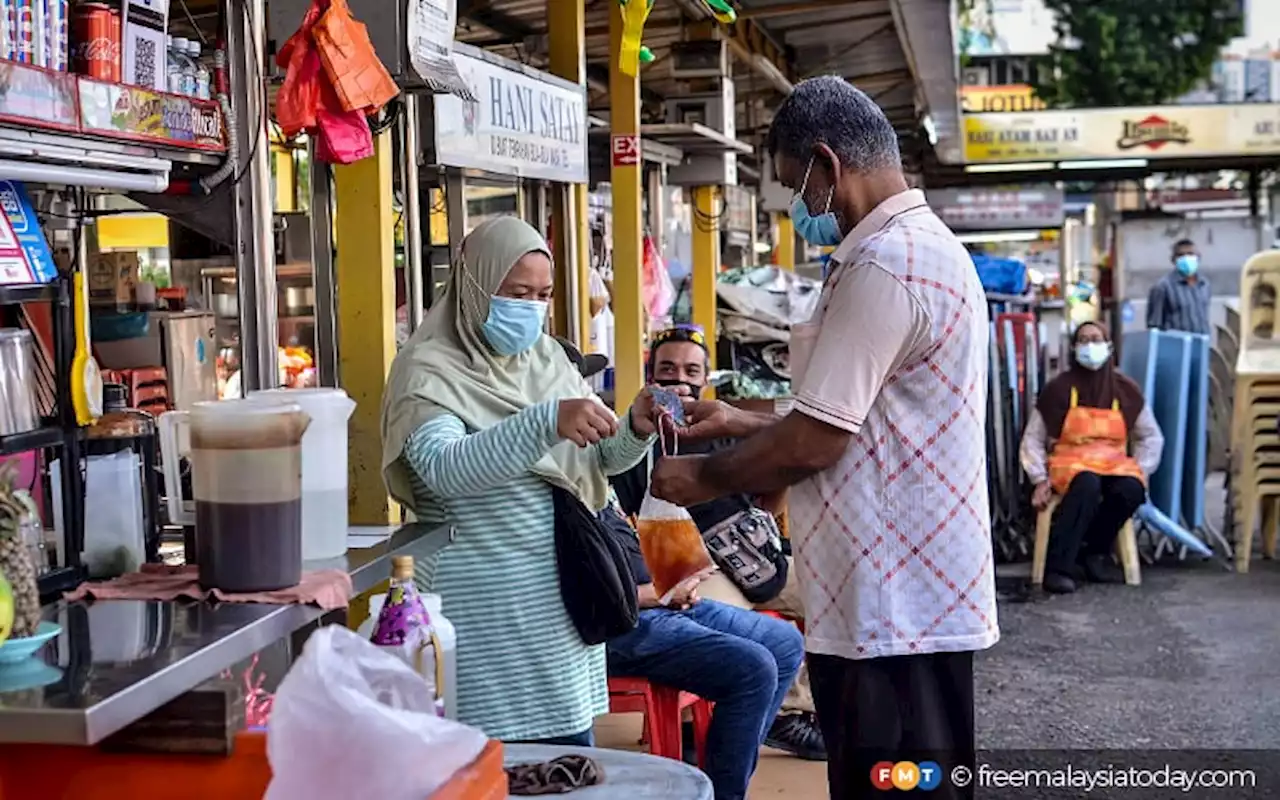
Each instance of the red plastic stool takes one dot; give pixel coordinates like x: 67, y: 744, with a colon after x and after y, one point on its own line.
x: 662, y: 707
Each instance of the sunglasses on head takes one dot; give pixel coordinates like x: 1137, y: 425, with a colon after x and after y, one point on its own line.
x: 681, y: 333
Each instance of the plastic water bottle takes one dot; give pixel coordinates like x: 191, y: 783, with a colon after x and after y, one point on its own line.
x: 202, y: 72
x: 173, y: 67
x: 188, y: 69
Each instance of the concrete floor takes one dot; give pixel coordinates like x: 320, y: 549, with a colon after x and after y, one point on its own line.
x: 1186, y: 661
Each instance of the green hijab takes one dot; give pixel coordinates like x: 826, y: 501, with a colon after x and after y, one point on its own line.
x: 447, y: 367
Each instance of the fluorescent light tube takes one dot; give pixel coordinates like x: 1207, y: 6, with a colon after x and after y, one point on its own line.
x: 81, y: 176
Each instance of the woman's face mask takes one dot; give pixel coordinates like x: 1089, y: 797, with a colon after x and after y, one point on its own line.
x: 1093, y: 355
x: 822, y: 230
x: 513, y: 325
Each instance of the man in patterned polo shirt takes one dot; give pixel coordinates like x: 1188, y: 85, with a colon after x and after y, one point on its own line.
x: 885, y: 448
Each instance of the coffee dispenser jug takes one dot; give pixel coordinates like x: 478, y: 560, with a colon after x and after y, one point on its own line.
x: 246, y: 478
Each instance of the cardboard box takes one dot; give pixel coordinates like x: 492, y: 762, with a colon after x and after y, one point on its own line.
x: 113, y: 278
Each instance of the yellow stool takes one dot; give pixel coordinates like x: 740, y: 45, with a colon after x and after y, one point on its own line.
x: 1126, y: 548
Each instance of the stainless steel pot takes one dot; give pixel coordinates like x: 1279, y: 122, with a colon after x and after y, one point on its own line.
x: 17, y: 382
x: 299, y: 300
x: 226, y: 305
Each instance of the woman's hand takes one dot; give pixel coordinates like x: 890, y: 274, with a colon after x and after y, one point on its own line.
x: 584, y: 421
x: 1041, y: 495
x: 644, y: 414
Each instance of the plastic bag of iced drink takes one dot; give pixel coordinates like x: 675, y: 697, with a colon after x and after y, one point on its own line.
x: 672, y: 547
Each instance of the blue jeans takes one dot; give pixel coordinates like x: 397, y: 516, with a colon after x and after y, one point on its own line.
x: 742, y: 661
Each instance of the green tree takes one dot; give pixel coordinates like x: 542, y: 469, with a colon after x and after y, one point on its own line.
x: 1133, y: 52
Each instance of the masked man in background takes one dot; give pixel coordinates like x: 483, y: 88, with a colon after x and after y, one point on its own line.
x: 1180, y: 301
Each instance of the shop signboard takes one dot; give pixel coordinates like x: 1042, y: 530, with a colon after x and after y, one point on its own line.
x: 1014, y: 208
x: 24, y: 252
x: 1000, y: 99
x: 1155, y: 132
x: 523, y: 122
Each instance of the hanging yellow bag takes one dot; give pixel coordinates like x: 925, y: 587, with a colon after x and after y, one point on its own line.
x: 634, y: 14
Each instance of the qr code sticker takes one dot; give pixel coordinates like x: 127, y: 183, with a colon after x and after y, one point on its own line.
x: 145, y: 61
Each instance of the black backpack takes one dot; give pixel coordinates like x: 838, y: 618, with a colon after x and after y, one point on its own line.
x: 596, y: 583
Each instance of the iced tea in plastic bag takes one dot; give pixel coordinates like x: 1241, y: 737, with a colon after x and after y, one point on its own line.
x: 672, y: 546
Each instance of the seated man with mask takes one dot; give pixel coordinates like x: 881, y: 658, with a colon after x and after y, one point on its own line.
x: 742, y: 661
x: 678, y: 360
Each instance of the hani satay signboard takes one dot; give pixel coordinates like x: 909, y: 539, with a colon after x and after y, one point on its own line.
x: 523, y: 122
x: 1026, y: 207
x: 1157, y: 132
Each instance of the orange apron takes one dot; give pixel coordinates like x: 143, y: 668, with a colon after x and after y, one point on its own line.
x: 1092, y: 440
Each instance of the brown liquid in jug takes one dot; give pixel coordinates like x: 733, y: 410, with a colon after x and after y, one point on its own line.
x: 672, y: 550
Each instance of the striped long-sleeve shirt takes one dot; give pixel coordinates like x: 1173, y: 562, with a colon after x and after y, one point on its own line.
x: 1178, y: 303
x: 523, y: 671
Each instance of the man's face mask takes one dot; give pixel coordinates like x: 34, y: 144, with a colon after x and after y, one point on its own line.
x: 1187, y: 264
x: 695, y: 391
x: 822, y: 230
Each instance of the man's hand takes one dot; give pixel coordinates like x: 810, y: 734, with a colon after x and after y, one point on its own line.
x: 685, y: 594
x: 676, y: 479
x: 584, y: 421
x: 1041, y: 495
x: 709, y: 419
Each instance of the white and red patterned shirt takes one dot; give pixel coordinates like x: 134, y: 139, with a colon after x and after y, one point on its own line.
x: 893, y: 543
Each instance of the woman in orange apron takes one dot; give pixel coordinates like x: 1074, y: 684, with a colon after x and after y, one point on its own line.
x: 1091, y: 441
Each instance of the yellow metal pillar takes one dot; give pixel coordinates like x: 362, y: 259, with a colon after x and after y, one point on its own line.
x: 366, y: 288
x: 567, y: 27
x: 286, y: 182
x: 784, y: 249
x: 627, y: 180
x: 706, y: 261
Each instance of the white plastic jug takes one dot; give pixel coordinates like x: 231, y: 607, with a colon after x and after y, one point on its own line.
x: 324, y: 467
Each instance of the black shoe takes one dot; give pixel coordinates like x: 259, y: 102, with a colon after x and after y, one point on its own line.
x: 1055, y: 583
x: 1101, y: 569
x: 799, y: 735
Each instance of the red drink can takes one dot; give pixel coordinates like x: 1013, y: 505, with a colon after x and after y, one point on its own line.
x: 117, y: 42
x: 96, y: 32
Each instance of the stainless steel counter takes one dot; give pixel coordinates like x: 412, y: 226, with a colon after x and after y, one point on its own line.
x: 120, y: 660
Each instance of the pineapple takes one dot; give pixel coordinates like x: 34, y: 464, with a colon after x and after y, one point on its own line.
x: 15, y: 558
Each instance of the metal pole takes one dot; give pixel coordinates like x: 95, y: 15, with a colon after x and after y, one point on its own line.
x: 413, y: 279
x: 255, y: 235
x: 455, y: 203
x: 321, y: 204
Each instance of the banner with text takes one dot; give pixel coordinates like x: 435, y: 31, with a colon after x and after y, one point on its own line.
x: 524, y: 122
x: 1111, y: 133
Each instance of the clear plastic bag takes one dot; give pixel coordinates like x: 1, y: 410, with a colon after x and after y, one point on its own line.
x: 352, y: 721
x: 672, y: 547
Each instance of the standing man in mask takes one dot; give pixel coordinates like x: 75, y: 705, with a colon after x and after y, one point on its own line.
x: 885, y: 449
x: 1180, y: 301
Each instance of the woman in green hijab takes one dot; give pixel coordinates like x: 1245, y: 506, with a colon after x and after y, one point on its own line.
x: 483, y: 414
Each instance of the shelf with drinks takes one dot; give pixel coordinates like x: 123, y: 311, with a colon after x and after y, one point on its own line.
x: 107, y: 70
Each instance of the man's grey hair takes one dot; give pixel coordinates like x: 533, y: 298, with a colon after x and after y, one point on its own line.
x: 832, y: 111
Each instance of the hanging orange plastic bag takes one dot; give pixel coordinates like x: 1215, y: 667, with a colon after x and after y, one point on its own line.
x: 351, y: 63
x: 299, y: 97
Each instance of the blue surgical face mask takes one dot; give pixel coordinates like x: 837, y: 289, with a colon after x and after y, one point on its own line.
x: 822, y: 230
x: 1093, y: 355
x: 513, y: 325
x: 1187, y: 264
